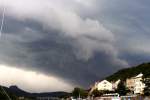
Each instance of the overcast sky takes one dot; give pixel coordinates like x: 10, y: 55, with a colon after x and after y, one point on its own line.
x: 68, y: 43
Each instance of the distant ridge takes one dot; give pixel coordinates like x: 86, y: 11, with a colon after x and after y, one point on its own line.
x: 19, y: 93
x: 131, y: 72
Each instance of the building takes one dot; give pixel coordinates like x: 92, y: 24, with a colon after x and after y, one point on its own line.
x: 139, y: 85
x: 115, y: 84
x: 130, y: 84
x: 94, y: 87
x: 135, y: 84
x: 105, y: 85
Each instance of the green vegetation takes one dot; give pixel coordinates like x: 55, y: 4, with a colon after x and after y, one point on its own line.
x: 79, y: 92
x: 122, y: 89
x: 96, y: 93
x: 130, y: 72
x: 146, y: 81
x: 147, y: 86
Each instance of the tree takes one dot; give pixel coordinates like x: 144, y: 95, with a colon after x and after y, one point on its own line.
x: 96, y: 93
x: 122, y: 89
x: 147, y: 86
x: 79, y: 92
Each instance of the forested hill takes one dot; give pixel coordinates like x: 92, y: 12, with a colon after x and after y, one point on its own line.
x: 14, y: 92
x: 131, y: 72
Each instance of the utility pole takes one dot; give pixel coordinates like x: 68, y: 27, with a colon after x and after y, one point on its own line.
x: 2, y: 22
x: 5, y: 93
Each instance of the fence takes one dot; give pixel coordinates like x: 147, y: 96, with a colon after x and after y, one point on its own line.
x: 133, y: 97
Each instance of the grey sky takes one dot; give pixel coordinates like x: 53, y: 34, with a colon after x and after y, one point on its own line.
x: 79, y: 41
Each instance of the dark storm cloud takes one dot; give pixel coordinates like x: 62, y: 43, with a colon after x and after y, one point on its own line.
x: 80, y: 43
x: 49, y: 52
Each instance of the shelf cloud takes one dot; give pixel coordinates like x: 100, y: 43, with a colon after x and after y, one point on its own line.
x: 80, y: 41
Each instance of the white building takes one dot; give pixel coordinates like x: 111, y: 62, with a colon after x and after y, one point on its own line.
x: 105, y: 85
x: 139, y: 85
x: 135, y: 84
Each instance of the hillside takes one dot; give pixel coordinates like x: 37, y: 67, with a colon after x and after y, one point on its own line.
x: 131, y: 72
x: 3, y: 96
x: 15, y: 92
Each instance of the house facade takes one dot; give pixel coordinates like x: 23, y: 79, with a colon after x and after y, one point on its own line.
x: 130, y: 84
x: 105, y: 85
x: 135, y: 84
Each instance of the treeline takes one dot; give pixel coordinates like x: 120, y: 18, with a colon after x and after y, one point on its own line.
x: 131, y: 72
